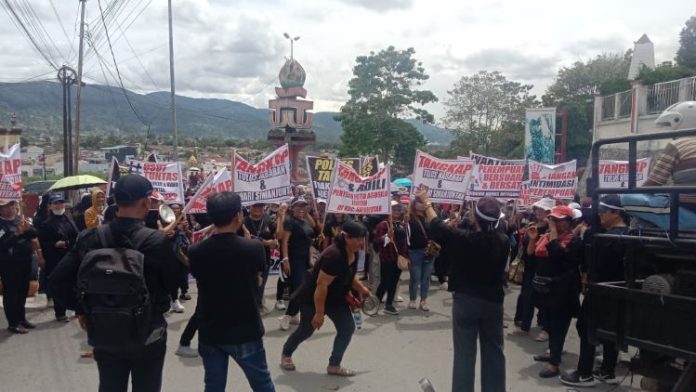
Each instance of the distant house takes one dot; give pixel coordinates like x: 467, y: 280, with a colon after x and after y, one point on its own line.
x: 120, y: 152
x: 31, y: 153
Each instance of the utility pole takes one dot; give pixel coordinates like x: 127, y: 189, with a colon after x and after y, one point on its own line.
x: 66, y: 76
x: 78, y: 99
x: 171, y: 82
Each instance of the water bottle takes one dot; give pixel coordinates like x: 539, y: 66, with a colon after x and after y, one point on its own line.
x: 357, y: 318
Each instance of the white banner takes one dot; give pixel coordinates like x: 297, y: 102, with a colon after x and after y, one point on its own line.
x: 165, y: 178
x: 352, y: 194
x: 447, y: 179
x: 559, y: 181
x: 8, y: 192
x: 266, y: 182
x: 11, y: 167
x: 614, y: 174
x: 214, y: 183
x: 540, y: 135
x: 497, y: 178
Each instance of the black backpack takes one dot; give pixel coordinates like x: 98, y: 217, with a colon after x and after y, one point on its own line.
x: 112, y: 291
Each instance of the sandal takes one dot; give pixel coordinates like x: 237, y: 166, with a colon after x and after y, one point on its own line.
x: 18, y: 330
x: 287, y: 364
x: 339, y: 371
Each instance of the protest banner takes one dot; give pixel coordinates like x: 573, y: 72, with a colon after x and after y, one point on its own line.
x: 266, y: 182
x: 614, y: 174
x: 558, y: 181
x: 166, y: 177
x: 447, y: 179
x: 8, y: 192
x: 321, y: 170
x: 213, y: 183
x: 11, y: 168
x: 497, y: 178
x: 368, y: 166
x: 351, y: 193
x: 200, y: 235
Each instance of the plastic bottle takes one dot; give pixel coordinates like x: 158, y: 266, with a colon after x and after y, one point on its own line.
x: 357, y: 318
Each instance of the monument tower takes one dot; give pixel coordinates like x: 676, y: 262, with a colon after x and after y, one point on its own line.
x: 290, y: 116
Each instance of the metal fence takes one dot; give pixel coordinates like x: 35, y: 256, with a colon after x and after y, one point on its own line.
x: 624, y: 99
x: 617, y: 105
x: 608, y: 107
x: 663, y: 95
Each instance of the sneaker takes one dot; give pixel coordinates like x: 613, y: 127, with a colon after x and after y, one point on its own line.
x: 62, y: 319
x: 412, y: 305
x: 390, y: 309
x: 26, y: 324
x: 18, y: 330
x: 295, y: 320
x: 607, y: 378
x: 574, y: 379
x: 399, y: 299
x: 280, y: 305
x: 424, y: 306
x: 444, y: 286
x: 186, y: 352
x: 185, y: 297
x: 542, y: 337
x: 284, y: 322
x: 177, y: 307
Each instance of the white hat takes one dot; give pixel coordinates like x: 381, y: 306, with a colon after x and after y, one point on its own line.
x: 545, y: 204
x: 321, y: 200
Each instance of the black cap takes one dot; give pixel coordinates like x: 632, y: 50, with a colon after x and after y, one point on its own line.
x: 354, y: 229
x: 132, y: 187
x: 611, y: 202
x: 56, y: 198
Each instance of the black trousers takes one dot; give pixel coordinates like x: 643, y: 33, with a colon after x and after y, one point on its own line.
x: 557, y: 324
x: 190, y: 330
x: 388, y: 281
x: 15, y: 286
x: 441, y: 269
x: 588, y: 350
x: 144, y: 366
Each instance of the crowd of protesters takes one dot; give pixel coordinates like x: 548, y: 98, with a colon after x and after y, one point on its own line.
x: 316, y: 256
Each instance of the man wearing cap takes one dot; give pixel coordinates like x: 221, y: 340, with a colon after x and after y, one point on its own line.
x: 227, y: 267
x: 525, y: 303
x: 57, y: 235
x: 16, y: 236
x: 161, y: 271
x: 609, y: 268
x: 478, y: 259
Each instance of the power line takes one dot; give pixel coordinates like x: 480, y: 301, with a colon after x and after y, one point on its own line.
x: 62, y: 27
x: 19, y: 23
x: 118, y: 73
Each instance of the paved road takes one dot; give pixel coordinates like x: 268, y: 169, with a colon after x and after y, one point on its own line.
x: 389, y: 353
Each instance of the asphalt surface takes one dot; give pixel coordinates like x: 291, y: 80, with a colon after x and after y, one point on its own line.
x: 389, y: 353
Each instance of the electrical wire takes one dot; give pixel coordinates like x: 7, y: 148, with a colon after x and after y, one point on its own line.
x: 62, y: 27
x: 20, y: 24
x: 118, y: 73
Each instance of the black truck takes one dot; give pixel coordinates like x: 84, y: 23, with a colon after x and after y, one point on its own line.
x: 654, y: 307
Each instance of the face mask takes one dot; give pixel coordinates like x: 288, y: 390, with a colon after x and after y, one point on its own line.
x: 59, y: 212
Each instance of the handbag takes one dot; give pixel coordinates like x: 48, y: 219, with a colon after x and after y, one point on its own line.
x: 401, y: 261
x: 433, y: 249
x: 516, y: 273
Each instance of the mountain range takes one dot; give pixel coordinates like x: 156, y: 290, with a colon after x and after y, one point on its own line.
x: 106, y: 110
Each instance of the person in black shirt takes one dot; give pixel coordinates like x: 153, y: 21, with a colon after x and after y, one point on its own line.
x: 262, y: 228
x: 477, y: 311
x: 16, y: 249
x: 298, y: 235
x: 323, y: 294
x: 161, y: 271
x: 332, y: 227
x: 609, y: 268
x: 57, y: 235
x: 228, y: 271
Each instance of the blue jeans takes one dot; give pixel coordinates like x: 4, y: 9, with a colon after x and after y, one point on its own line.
x: 477, y: 320
x: 251, y: 357
x: 420, y: 271
x: 525, y: 301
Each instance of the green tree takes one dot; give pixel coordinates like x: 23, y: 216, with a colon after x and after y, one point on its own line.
x: 382, y: 93
x: 686, y: 55
x: 572, y: 90
x: 486, y: 113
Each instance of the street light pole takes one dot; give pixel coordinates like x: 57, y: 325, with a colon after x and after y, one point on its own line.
x: 292, y: 44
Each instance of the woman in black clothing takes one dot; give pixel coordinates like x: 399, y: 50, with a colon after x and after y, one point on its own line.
x: 390, y: 239
x: 323, y: 294
x: 57, y: 235
x: 298, y: 235
x: 557, y: 283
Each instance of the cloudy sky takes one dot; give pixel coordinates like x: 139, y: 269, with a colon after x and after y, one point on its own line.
x: 234, y: 48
